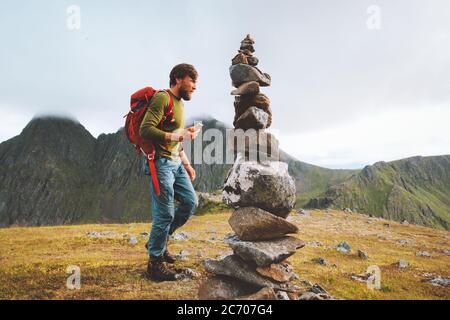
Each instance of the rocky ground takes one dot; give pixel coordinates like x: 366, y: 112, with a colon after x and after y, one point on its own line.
x: 340, y: 246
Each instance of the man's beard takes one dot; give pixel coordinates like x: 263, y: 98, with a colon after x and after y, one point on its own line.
x: 185, y: 95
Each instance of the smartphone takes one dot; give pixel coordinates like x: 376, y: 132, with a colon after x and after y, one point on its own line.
x: 198, y: 126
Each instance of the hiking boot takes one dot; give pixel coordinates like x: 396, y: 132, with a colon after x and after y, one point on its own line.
x: 158, y: 271
x: 166, y: 255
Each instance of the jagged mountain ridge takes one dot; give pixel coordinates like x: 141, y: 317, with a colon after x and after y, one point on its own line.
x: 56, y: 172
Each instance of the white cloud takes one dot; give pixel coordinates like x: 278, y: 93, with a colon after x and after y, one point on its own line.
x: 14, y: 119
x: 385, y: 136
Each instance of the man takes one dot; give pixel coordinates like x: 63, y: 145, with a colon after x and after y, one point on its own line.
x: 173, y: 168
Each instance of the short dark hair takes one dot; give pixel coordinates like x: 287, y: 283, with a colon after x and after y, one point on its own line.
x: 180, y: 71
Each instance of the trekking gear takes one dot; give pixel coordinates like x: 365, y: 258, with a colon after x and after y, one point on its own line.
x: 167, y: 257
x: 139, y: 104
x: 158, y: 271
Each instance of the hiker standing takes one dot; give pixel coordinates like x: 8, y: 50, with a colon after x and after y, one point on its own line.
x: 173, y: 170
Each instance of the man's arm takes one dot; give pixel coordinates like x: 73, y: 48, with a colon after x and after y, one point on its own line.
x: 184, y: 159
x: 187, y: 165
x: 155, y: 113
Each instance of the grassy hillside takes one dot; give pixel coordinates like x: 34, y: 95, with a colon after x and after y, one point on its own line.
x: 414, y: 189
x: 33, y: 261
x: 311, y: 180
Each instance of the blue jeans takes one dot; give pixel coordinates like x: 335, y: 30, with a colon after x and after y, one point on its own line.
x: 174, y: 183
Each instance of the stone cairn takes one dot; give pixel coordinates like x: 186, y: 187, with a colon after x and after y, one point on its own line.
x: 262, y: 193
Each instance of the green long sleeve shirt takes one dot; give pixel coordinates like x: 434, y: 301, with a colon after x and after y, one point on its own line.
x: 155, y: 113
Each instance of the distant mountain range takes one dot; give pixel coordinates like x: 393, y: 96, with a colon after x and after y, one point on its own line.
x: 415, y: 189
x: 56, y: 172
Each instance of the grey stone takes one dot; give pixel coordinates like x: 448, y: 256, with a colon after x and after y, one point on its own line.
x: 254, y: 224
x: 188, y: 273
x: 280, y: 272
x: 184, y: 255
x: 303, y: 212
x: 254, y: 118
x: 343, y: 247
x: 402, y: 264
x: 109, y: 233
x: 315, y: 244
x: 182, y: 236
x: 263, y: 294
x: 253, y: 61
x: 260, y: 146
x: 234, y: 266
x: 362, y: 255
x: 281, y: 295
x: 133, y: 241
x: 239, y: 58
x: 248, y: 88
x: 247, y: 44
x: 317, y: 288
x: 439, y: 281
x: 243, y: 102
x: 315, y: 296
x: 267, y: 186
x: 241, y: 73
x: 265, y: 253
x: 423, y: 254
x: 224, y: 288
x: 361, y: 277
x: 93, y: 234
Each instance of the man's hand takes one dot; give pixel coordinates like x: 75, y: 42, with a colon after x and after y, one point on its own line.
x: 191, y: 133
x: 190, y: 171
x: 186, y: 134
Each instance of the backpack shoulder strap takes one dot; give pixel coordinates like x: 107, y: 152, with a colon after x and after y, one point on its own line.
x: 169, y: 109
x: 170, y: 106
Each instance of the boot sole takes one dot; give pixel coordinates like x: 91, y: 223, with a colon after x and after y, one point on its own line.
x: 149, y: 277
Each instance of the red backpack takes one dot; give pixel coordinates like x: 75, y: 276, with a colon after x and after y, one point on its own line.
x: 140, y: 102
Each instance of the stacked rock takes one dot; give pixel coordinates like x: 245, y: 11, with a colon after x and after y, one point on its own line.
x: 262, y: 194
x: 252, y: 108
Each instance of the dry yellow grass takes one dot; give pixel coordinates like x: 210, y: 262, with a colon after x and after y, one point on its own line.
x: 33, y: 261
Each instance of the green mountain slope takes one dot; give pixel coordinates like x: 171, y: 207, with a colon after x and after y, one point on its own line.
x: 415, y: 189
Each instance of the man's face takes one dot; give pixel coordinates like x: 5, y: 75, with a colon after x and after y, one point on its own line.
x: 187, y: 87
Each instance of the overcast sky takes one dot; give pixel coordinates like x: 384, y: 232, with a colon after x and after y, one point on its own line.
x: 353, y: 81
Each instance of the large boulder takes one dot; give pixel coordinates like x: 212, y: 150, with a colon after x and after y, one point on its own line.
x: 266, y: 185
x: 243, y: 102
x: 263, y: 294
x: 248, y: 88
x: 257, y: 141
x: 253, y: 118
x: 241, y: 73
x: 234, y: 266
x: 254, y: 224
x: 253, y: 61
x: 265, y: 253
x: 280, y: 272
x: 224, y: 288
